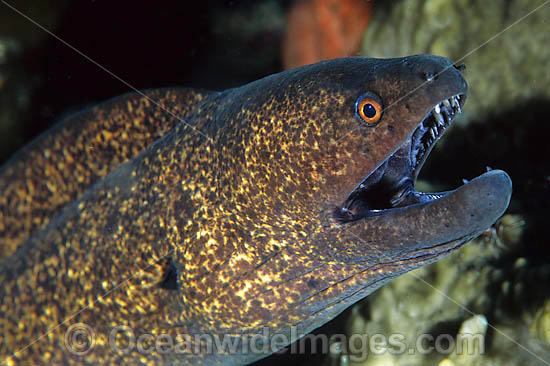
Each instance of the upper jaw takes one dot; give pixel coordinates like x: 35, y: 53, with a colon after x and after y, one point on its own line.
x: 391, y: 185
x: 432, y: 127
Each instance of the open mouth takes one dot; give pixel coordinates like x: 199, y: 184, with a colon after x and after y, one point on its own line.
x: 391, y: 185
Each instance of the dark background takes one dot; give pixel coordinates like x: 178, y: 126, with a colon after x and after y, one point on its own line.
x: 205, y: 44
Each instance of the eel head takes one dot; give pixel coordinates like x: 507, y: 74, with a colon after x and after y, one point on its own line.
x: 322, y: 162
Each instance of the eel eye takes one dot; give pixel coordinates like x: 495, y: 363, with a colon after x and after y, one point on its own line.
x: 369, y: 108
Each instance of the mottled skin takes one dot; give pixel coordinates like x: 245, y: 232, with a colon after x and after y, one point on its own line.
x: 55, y: 169
x: 241, y: 207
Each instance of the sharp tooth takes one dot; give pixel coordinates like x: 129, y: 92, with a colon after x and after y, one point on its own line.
x: 432, y: 133
x: 454, y: 102
x: 439, y: 119
x: 458, y: 97
x: 446, y: 103
x: 434, y: 128
x: 437, y: 109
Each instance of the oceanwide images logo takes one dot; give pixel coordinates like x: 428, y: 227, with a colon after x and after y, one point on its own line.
x: 81, y: 339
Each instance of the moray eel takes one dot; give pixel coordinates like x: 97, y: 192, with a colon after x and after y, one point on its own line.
x: 259, y: 212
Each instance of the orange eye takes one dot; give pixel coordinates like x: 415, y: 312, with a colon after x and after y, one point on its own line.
x: 369, y: 109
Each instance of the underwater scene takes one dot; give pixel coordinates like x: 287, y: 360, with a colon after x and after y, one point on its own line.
x: 267, y: 182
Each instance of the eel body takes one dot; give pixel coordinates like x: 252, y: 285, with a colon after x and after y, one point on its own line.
x: 259, y: 212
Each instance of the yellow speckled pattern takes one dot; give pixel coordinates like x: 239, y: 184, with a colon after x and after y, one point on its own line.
x: 56, y: 168
x: 239, y: 213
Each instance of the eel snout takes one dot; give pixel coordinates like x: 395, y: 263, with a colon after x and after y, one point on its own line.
x: 484, y: 199
x: 463, y: 213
